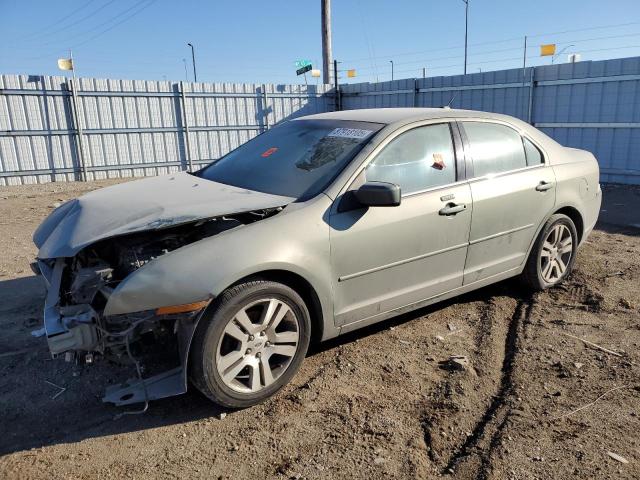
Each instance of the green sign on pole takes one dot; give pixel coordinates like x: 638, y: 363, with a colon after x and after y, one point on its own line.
x: 302, y: 63
x: 305, y: 69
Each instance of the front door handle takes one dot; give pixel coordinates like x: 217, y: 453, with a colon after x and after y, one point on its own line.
x: 544, y: 186
x: 452, y: 209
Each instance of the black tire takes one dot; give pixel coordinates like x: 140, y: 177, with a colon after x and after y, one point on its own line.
x: 532, y: 274
x: 203, y: 370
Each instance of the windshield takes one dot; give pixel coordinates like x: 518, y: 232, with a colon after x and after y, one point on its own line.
x: 298, y: 158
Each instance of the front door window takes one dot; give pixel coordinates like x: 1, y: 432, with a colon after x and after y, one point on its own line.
x: 416, y: 160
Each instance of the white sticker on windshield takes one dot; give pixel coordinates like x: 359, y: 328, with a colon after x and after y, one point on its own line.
x: 350, y: 133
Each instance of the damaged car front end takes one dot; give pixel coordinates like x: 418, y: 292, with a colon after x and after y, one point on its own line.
x: 211, y: 277
x: 76, y: 327
x: 89, y: 246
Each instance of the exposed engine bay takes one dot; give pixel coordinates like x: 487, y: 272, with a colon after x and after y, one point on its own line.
x: 155, y: 342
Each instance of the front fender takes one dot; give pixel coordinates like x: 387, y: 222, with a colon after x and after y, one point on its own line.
x: 296, y: 241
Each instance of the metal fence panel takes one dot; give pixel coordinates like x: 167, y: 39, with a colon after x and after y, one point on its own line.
x: 589, y: 105
x: 134, y: 127
x: 152, y: 127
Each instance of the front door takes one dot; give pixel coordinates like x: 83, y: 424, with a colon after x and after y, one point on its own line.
x: 385, y: 258
x: 513, y: 191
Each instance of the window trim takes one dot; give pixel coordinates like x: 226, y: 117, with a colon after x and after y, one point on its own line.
x: 504, y: 174
x: 456, y: 143
x: 469, y: 159
x: 461, y: 154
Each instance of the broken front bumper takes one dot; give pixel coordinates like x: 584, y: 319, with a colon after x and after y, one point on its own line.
x: 60, y: 337
x: 78, y: 332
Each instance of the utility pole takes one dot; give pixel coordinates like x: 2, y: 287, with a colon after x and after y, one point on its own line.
x: 337, y: 86
x: 327, y: 55
x: 524, y: 61
x: 184, y: 61
x: 524, y: 73
x: 466, y: 31
x: 76, y: 114
x: 391, y: 61
x: 424, y: 72
x: 193, y: 59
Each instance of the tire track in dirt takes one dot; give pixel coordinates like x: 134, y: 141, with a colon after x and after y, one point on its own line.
x: 445, y: 407
x: 474, y: 455
x: 425, y: 424
x: 499, y: 413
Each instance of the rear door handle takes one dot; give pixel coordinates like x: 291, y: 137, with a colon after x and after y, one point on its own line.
x: 452, y: 209
x: 544, y: 186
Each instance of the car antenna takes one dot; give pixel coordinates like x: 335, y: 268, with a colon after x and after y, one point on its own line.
x: 448, y: 105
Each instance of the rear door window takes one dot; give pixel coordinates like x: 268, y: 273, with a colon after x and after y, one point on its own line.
x: 495, y: 148
x: 416, y: 160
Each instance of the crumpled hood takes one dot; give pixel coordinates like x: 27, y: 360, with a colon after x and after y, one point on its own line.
x: 147, y: 204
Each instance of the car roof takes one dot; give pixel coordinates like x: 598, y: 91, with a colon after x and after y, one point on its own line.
x: 394, y: 118
x: 402, y: 115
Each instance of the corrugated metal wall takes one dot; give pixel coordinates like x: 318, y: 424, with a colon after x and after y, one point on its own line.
x: 590, y: 105
x: 149, y: 127
x: 134, y: 128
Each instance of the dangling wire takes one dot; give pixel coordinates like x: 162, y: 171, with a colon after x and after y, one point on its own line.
x: 144, y: 386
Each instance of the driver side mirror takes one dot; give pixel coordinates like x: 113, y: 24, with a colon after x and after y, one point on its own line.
x: 378, y: 194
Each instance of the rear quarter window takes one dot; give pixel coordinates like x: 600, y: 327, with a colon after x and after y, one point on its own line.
x: 534, y: 156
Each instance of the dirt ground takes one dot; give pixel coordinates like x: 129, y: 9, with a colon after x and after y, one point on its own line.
x: 534, y: 401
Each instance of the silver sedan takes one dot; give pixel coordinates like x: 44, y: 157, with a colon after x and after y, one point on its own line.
x: 320, y: 226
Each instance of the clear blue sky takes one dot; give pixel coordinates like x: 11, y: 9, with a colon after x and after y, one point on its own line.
x: 258, y: 41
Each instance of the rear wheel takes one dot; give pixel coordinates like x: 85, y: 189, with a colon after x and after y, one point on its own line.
x: 251, y: 345
x: 553, y: 254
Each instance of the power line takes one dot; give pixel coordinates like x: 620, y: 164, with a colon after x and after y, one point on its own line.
x: 432, y: 59
x: 252, y: 66
x: 366, y: 38
x: 585, y: 29
x: 493, y: 42
x: 449, y: 57
x: 128, y: 17
x: 95, y: 35
x: 76, y: 22
x: 443, y: 67
x: 57, y: 22
x: 69, y: 40
x: 354, y: 60
x: 607, y: 49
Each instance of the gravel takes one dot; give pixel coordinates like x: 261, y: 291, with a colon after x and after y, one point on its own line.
x: 374, y: 403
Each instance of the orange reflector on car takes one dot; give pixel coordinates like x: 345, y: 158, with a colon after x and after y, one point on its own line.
x: 184, y: 308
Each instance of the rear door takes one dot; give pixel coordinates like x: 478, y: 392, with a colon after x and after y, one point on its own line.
x: 513, y: 191
x: 385, y: 258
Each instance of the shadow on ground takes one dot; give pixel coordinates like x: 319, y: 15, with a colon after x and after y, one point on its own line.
x: 620, y: 212
x: 621, y: 229
x: 47, y: 402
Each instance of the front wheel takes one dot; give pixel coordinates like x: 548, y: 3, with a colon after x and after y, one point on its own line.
x: 553, y: 254
x: 251, y: 345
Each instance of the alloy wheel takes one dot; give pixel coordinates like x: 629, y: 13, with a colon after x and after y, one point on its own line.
x: 257, y: 345
x: 556, y: 253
